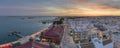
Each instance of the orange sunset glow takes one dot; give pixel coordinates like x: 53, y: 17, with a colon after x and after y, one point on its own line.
x: 87, y: 10
x: 61, y: 8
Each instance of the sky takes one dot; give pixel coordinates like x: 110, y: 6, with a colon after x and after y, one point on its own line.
x: 59, y: 7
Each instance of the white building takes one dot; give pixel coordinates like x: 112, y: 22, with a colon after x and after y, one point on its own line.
x: 116, y: 39
x: 88, y: 36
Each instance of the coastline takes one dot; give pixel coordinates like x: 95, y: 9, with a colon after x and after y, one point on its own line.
x: 38, y: 33
x: 26, y: 37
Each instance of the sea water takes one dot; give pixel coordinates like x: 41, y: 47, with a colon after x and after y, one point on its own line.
x: 24, y: 25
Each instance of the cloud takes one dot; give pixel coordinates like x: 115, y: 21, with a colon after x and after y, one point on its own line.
x: 59, y: 7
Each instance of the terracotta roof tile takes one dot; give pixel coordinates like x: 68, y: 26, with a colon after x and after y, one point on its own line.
x: 32, y: 44
x: 54, y: 31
